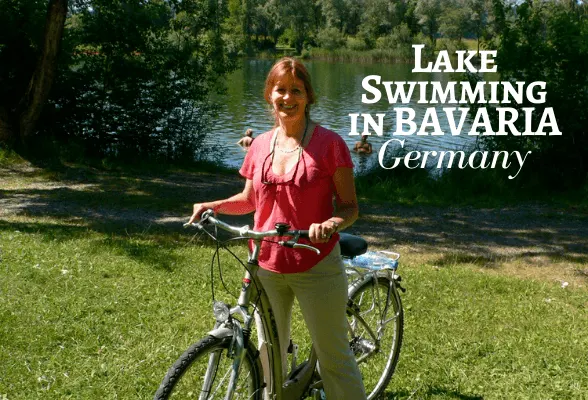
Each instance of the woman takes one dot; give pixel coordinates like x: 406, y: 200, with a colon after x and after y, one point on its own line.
x: 292, y: 174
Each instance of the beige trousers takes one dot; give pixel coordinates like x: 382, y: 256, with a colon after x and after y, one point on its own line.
x: 322, y: 295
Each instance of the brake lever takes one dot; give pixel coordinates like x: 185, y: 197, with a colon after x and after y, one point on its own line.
x: 293, y: 245
x: 305, y: 246
x: 193, y: 224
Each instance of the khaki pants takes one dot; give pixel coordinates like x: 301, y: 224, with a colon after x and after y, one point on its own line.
x: 322, y: 295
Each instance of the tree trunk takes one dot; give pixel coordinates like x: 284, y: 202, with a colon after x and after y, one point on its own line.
x: 33, y: 100
x: 7, y: 133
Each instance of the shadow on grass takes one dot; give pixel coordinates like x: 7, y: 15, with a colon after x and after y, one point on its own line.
x: 484, y: 237
x: 140, y: 214
x: 104, y: 200
x: 139, y: 247
x: 433, y: 392
x: 154, y: 204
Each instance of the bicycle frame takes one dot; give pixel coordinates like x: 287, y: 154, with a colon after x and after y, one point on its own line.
x: 300, y: 379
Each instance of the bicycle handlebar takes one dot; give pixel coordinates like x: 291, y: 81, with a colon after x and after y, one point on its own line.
x: 244, y: 232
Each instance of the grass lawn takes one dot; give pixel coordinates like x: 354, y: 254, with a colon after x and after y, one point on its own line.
x: 96, y: 307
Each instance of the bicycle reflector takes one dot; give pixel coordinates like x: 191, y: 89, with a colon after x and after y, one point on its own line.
x: 221, y: 311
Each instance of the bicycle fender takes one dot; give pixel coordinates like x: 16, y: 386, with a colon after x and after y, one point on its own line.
x: 366, y: 278
x: 221, y: 332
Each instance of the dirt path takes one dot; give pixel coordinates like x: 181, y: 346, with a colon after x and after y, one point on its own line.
x: 535, y: 241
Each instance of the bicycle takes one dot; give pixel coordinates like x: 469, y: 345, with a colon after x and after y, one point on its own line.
x: 225, y: 364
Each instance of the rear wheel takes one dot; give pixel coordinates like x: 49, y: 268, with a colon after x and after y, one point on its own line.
x: 204, y: 370
x: 376, y: 323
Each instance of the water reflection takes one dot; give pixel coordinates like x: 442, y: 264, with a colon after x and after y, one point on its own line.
x: 339, y: 90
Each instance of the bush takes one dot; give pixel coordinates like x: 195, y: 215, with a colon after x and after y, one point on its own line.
x: 450, y: 45
x: 330, y: 39
x: 399, y: 41
x: 356, y: 44
x: 134, y: 82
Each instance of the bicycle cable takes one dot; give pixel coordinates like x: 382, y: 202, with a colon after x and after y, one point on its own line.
x: 221, y: 245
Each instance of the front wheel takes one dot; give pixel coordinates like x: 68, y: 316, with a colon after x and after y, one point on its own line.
x: 204, y: 370
x: 376, y: 323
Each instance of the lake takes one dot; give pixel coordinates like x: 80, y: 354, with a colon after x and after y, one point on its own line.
x: 338, y: 86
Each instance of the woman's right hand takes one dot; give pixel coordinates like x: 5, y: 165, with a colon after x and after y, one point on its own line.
x: 199, y: 208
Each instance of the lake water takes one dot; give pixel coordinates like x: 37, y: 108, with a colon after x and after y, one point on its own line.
x: 339, y: 90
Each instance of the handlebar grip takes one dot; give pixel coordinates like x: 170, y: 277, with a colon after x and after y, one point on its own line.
x: 204, y: 216
x: 304, y: 234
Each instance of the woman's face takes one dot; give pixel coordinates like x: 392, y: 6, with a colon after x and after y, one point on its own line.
x: 289, y: 98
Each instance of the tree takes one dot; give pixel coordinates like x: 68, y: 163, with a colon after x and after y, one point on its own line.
x: 478, y: 18
x: 548, y: 41
x: 239, y: 23
x: 381, y: 16
x: 299, y: 15
x: 334, y: 13
x: 455, y: 20
x: 428, y: 13
x: 22, y: 101
x: 133, y: 77
x: 267, y: 23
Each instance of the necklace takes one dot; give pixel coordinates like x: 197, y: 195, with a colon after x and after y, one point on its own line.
x: 288, y: 151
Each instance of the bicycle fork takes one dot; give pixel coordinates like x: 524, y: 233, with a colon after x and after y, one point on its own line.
x: 236, y: 352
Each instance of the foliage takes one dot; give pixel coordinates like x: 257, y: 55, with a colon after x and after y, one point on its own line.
x: 356, y: 44
x: 259, y: 25
x: 548, y: 41
x: 428, y: 13
x: 142, y: 86
x: 330, y: 39
x: 133, y: 76
x: 400, y: 40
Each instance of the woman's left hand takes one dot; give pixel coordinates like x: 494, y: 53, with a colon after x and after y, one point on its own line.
x: 321, y: 233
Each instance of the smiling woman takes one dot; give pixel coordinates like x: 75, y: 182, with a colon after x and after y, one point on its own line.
x: 296, y: 161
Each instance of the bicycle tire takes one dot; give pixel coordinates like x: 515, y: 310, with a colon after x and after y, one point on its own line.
x: 184, y: 380
x: 363, y: 298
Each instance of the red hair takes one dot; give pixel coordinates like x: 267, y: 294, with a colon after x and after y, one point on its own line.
x: 288, y: 65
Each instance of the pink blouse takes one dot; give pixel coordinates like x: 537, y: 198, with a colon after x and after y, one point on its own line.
x: 300, y: 197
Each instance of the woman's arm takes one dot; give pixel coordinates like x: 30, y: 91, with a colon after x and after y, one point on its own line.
x: 347, y: 209
x: 241, y: 203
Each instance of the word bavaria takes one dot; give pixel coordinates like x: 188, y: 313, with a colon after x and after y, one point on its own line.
x: 507, y: 120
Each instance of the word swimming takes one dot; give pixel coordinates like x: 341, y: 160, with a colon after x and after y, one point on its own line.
x: 452, y: 92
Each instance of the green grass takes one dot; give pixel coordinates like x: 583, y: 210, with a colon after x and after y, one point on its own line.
x: 89, y: 315
x: 98, y: 308
x: 9, y: 157
x: 93, y: 315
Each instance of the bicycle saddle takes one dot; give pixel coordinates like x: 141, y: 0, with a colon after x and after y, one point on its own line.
x: 351, y: 245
